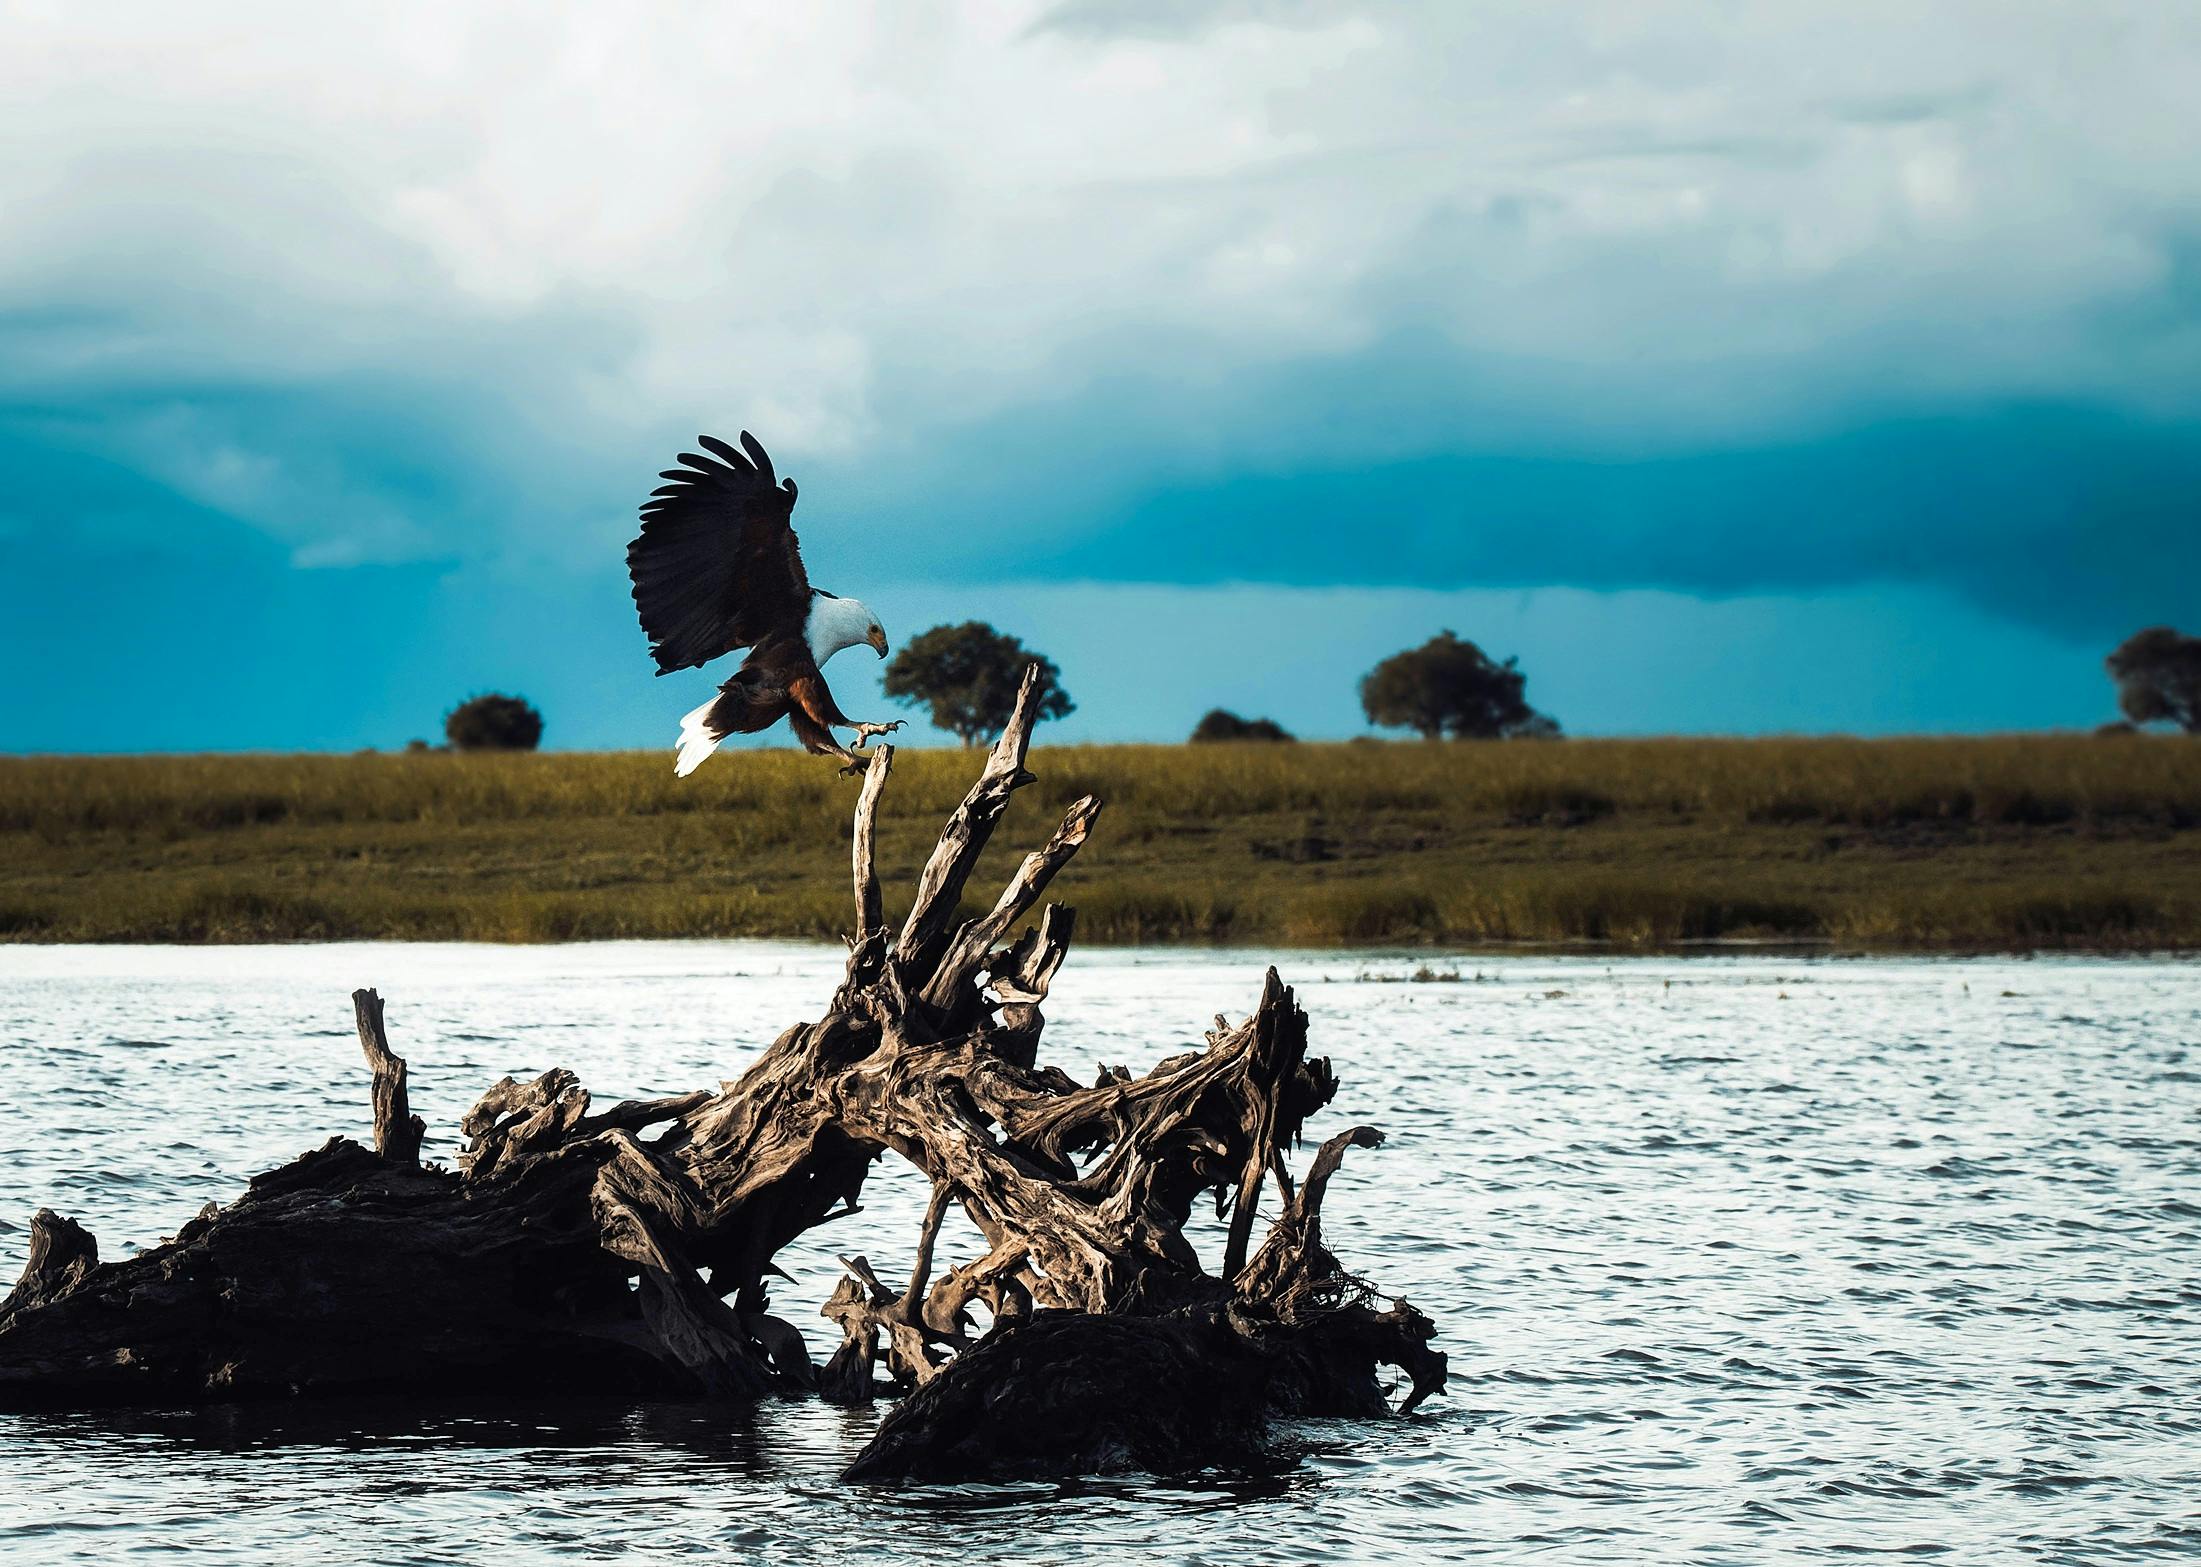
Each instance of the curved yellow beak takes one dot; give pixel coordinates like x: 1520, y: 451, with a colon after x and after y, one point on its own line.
x: 878, y: 641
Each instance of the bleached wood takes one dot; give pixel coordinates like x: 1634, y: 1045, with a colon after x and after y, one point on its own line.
x: 397, y: 1131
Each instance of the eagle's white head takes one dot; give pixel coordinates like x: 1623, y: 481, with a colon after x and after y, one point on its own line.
x: 836, y: 623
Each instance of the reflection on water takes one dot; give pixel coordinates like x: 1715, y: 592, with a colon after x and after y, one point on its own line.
x: 1737, y: 1260
x: 578, y: 1477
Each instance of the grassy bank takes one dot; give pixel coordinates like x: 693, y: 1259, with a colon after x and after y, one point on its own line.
x: 2024, y: 842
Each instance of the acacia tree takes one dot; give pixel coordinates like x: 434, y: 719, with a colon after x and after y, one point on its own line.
x: 968, y: 675
x: 1450, y: 686
x: 2158, y: 675
x: 493, y: 722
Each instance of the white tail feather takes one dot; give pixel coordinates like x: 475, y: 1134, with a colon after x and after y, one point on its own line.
x: 696, y: 740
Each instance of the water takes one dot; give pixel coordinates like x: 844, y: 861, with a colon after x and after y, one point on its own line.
x: 1738, y: 1260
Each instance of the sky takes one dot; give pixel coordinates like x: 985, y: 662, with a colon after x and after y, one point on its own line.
x: 1825, y: 366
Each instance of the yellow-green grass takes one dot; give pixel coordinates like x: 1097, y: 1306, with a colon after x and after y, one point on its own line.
x: 1930, y: 844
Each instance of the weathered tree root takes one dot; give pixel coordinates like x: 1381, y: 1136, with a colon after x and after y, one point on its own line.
x: 630, y: 1248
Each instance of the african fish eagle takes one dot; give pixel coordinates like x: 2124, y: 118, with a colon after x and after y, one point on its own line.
x: 716, y: 568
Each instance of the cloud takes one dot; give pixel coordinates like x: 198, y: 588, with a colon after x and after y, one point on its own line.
x: 1632, y: 292
x: 1180, y: 19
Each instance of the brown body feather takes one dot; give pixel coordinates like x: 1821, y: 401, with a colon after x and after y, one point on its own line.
x: 779, y: 679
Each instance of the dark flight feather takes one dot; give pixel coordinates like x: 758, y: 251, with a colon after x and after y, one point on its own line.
x: 716, y: 566
x: 727, y: 454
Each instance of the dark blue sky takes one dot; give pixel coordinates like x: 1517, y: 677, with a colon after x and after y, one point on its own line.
x: 1740, y: 372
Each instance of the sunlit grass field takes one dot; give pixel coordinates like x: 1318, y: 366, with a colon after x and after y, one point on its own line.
x: 1937, y: 844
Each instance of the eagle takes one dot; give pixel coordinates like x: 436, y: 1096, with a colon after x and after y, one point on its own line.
x: 716, y: 568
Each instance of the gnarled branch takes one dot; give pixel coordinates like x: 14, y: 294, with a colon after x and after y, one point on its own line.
x: 397, y: 1131
x: 964, y: 838
x: 862, y: 845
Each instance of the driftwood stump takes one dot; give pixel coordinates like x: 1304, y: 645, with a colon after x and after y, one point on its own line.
x: 631, y: 1248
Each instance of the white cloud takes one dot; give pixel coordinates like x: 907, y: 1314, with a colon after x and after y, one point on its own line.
x: 838, y: 223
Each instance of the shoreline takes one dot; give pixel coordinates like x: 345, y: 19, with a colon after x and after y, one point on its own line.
x: 1798, y: 948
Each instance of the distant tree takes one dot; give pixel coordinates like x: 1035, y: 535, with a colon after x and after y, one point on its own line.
x: 493, y: 723
x: 1222, y: 724
x: 1450, y: 686
x: 968, y: 675
x: 2158, y: 675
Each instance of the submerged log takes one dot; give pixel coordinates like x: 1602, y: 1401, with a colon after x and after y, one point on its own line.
x: 632, y: 1248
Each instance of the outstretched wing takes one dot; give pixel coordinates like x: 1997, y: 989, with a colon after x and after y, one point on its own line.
x: 716, y: 566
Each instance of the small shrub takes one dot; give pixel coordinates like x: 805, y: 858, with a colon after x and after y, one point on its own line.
x: 493, y: 722
x: 1222, y: 724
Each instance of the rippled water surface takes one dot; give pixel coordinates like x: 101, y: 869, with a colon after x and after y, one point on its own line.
x: 1737, y: 1260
